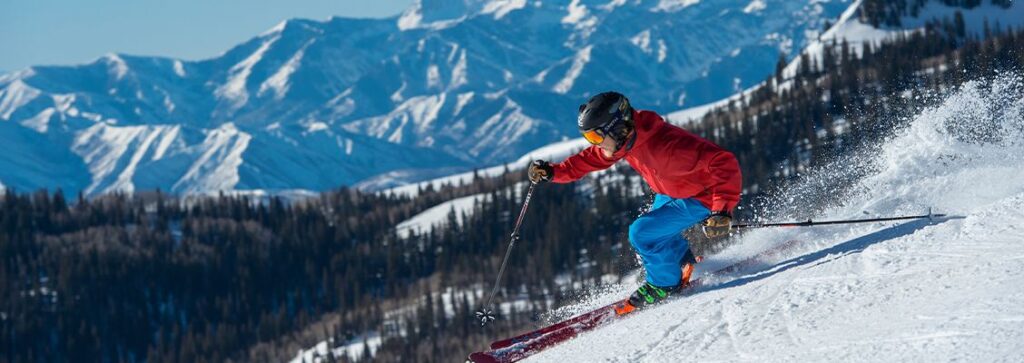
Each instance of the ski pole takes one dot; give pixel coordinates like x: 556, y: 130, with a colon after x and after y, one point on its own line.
x: 846, y: 221
x: 486, y: 315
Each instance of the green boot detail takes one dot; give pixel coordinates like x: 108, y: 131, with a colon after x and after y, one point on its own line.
x: 648, y: 294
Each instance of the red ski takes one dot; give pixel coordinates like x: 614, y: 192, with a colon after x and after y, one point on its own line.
x: 525, y: 345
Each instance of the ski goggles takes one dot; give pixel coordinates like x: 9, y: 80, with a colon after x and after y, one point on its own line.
x: 594, y: 136
x: 597, y: 136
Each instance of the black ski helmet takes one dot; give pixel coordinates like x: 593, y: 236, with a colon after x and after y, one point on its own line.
x: 608, y: 111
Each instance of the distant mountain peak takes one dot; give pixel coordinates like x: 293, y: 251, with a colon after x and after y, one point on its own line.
x: 674, y: 5
x: 436, y: 14
x: 441, y: 14
x: 296, y: 25
x: 115, y: 65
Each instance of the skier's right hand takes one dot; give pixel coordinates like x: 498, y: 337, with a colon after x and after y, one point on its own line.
x: 718, y: 224
x: 540, y: 171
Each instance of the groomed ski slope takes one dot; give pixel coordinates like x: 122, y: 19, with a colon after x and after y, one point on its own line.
x: 946, y: 290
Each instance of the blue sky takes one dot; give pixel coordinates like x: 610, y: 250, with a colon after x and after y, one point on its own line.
x: 39, y: 32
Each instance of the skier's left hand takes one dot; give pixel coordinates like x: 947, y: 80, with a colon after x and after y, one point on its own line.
x: 540, y: 171
x: 717, y: 225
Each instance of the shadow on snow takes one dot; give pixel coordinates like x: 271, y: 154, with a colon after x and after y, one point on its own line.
x: 855, y: 245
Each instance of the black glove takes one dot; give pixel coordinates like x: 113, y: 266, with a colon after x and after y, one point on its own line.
x: 718, y: 224
x: 540, y: 171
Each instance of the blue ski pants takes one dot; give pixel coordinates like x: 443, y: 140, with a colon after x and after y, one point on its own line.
x: 658, y: 239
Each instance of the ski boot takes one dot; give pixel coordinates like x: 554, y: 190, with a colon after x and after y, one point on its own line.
x: 648, y: 294
x: 645, y: 295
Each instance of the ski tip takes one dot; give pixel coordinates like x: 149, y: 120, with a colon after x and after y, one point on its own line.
x: 480, y: 357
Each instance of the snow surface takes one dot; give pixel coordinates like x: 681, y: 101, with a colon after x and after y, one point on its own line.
x: 122, y: 158
x: 233, y: 91
x: 578, y: 62
x: 425, y: 221
x: 575, y: 12
x: 352, y: 349
x: 674, y: 5
x: 755, y: 6
x: 278, y: 83
x: 500, y: 8
x: 14, y: 96
x: 941, y: 290
x: 642, y: 40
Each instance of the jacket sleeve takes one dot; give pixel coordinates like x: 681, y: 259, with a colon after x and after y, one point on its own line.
x: 726, y: 181
x: 576, y: 166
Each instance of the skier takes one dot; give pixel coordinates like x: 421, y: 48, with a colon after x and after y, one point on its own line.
x: 694, y: 180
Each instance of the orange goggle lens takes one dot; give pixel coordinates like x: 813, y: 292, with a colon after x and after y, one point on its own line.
x: 593, y: 137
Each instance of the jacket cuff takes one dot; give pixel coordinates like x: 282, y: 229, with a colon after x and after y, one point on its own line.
x: 722, y: 207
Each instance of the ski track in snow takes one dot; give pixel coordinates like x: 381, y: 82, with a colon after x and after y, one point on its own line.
x: 941, y: 290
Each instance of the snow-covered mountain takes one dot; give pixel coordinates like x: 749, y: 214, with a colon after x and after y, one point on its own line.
x: 848, y: 26
x: 445, y: 86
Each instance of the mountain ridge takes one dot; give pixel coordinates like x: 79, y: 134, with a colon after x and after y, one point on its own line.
x: 323, y: 104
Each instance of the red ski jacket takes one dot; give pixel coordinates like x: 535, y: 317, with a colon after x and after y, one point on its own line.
x: 673, y: 161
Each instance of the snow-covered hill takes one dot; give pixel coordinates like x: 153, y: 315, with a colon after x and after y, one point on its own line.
x: 439, y: 214
x: 447, y: 85
x: 978, y: 20
x: 945, y: 290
